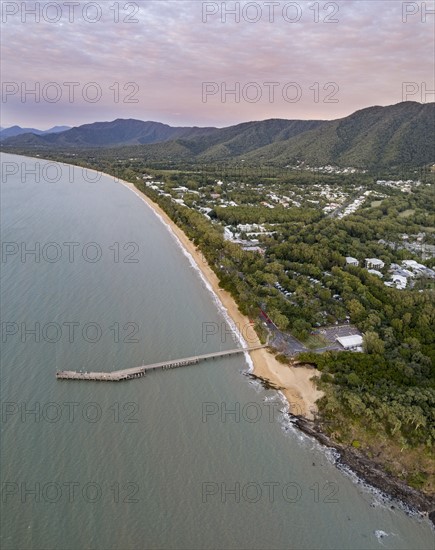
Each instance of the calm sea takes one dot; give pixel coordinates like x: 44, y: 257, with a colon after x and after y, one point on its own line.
x: 191, y: 458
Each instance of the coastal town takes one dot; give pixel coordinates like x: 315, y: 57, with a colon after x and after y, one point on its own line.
x: 217, y: 275
x: 256, y: 215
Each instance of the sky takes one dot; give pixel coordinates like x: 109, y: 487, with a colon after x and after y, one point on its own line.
x: 194, y: 63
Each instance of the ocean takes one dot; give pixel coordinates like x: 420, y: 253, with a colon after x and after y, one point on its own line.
x: 200, y: 457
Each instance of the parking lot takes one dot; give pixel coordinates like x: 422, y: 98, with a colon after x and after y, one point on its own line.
x: 332, y: 333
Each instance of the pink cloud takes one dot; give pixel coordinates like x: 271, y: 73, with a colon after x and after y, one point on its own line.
x: 170, y: 52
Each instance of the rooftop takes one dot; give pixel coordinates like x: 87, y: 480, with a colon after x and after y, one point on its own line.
x: 350, y: 341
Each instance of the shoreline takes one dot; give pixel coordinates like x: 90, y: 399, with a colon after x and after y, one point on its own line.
x: 294, y: 382
x: 297, y: 387
x: 367, y: 471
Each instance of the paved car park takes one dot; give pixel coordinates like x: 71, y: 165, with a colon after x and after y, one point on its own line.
x: 330, y: 334
x: 289, y: 345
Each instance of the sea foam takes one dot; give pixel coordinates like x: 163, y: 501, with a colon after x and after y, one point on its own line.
x: 195, y: 266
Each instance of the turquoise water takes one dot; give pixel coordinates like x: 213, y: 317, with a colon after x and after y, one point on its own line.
x: 158, y: 462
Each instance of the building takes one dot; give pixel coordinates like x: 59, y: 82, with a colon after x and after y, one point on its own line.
x: 412, y: 264
x: 374, y: 263
x: 252, y: 248
x: 228, y: 234
x: 399, y: 281
x: 351, y: 343
x: 375, y: 272
x: 417, y: 270
x: 404, y: 273
x: 352, y: 261
x: 247, y: 227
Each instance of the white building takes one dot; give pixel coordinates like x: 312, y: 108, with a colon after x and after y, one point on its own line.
x: 351, y: 342
x: 399, y: 281
x: 249, y: 227
x: 228, y: 234
x: 251, y: 248
x: 352, y: 261
x: 375, y: 272
x: 412, y: 264
x: 374, y: 263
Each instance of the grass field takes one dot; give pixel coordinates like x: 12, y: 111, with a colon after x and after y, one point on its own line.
x: 406, y: 213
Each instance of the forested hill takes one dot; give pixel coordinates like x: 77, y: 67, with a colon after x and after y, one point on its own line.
x: 375, y: 137
x: 108, y: 134
x: 188, y: 142
x: 17, y: 130
x: 401, y: 134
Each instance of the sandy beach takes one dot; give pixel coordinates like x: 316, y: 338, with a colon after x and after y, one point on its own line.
x: 294, y: 382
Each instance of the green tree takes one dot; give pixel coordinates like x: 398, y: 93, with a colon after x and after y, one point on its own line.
x: 372, y: 344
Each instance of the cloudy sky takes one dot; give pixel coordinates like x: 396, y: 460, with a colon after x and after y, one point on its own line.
x: 186, y: 62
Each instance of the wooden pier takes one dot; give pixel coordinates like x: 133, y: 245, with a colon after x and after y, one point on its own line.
x: 138, y: 372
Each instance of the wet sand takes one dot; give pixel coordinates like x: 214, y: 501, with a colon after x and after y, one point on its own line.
x: 294, y: 382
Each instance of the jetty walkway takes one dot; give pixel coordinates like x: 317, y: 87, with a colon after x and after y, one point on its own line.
x: 138, y: 372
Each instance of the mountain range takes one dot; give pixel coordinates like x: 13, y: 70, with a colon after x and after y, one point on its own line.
x: 17, y: 131
x: 395, y: 135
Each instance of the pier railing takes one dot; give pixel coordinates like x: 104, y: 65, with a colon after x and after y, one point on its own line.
x: 138, y: 372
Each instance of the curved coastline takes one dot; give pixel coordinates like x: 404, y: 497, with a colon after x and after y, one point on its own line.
x: 294, y: 384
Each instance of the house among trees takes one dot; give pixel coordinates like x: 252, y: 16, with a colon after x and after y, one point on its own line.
x: 414, y: 266
x: 374, y: 263
x: 352, y: 261
x: 398, y: 281
x: 254, y: 248
x: 375, y: 272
